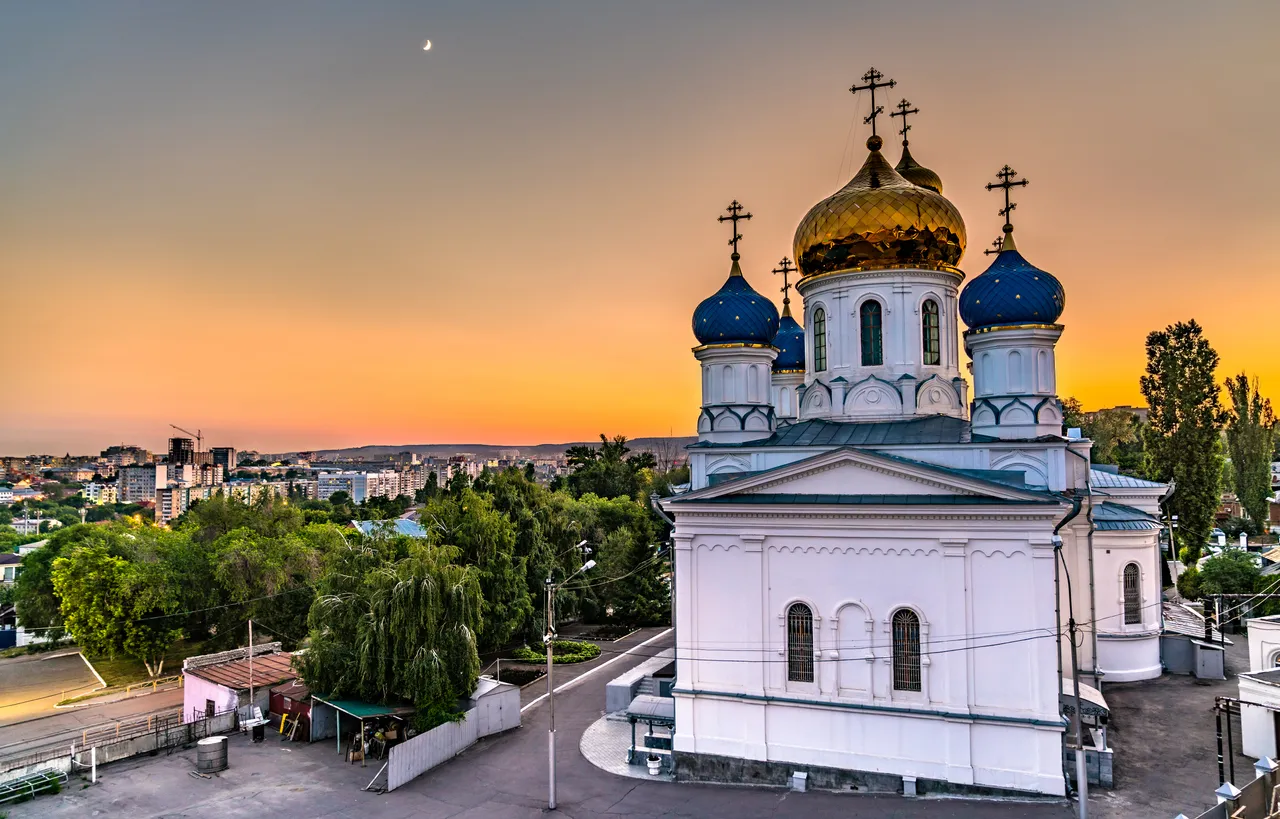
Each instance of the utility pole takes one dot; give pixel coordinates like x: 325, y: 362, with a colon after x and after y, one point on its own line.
x: 251, y: 669
x: 1082, y: 770
x: 551, y: 691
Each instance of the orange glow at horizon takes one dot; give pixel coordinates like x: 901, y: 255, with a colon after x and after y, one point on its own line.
x: 294, y: 230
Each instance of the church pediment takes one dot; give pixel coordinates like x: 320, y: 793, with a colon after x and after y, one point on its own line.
x: 856, y: 472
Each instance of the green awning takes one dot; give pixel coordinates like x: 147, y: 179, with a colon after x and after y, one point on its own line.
x: 367, y: 710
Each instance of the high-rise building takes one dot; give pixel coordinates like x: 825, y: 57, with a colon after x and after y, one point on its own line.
x: 182, y: 451
x: 138, y: 483
x: 225, y: 457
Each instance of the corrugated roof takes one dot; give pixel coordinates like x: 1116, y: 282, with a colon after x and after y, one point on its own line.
x: 1182, y: 619
x: 1108, y: 516
x: 268, y: 669
x: 867, y: 500
x: 933, y: 429
x: 1105, y: 479
x: 10, y: 558
x: 294, y: 689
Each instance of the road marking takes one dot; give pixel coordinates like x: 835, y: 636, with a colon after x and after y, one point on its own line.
x: 91, y: 668
x: 605, y: 664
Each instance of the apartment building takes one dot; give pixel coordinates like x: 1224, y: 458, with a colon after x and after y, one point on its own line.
x: 137, y: 484
x: 100, y: 493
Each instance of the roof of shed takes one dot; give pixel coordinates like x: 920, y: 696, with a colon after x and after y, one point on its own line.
x: 268, y: 669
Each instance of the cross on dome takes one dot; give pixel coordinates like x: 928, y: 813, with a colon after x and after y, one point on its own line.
x: 785, y: 267
x: 872, y: 79
x: 1007, y: 182
x: 735, y: 214
x: 904, y: 108
x: 997, y: 244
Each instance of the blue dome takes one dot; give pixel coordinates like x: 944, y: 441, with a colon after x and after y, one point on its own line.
x: 790, y: 344
x: 1012, y: 291
x: 736, y: 314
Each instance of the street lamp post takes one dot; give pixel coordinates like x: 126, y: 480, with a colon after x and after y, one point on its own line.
x: 551, y: 699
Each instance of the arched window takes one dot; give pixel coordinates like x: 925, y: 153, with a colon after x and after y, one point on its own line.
x: 906, y: 650
x: 932, y: 333
x: 1132, y: 595
x: 872, y: 335
x: 799, y: 643
x: 819, y: 340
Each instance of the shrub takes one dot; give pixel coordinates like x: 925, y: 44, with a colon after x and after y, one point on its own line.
x: 1189, y: 583
x: 562, y: 651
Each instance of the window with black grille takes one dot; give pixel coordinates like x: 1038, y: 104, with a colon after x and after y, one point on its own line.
x: 906, y: 650
x: 799, y: 643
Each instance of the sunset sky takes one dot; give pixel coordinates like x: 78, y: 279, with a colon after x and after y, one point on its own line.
x: 287, y: 225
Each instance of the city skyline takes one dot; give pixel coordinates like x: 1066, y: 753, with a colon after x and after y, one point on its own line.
x: 293, y: 229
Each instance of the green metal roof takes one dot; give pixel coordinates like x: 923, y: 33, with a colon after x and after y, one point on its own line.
x: 933, y: 429
x: 871, y: 500
x: 1108, y: 516
x: 366, y: 710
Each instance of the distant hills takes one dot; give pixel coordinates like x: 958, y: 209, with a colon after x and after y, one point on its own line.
x: 373, y: 452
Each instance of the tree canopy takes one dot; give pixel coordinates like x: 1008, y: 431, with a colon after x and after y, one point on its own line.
x: 1250, y: 434
x: 1182, y: 440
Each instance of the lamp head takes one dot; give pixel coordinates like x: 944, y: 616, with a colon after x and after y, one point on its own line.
x: 588, y: 566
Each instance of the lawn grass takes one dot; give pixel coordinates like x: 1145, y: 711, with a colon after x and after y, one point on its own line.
x: 127, y: 670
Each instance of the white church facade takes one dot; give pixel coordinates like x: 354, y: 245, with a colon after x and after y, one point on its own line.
x: 867, y: 576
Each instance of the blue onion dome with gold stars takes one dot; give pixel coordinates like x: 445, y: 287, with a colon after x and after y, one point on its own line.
x: 917, y: 174
x: 736, y: 314
x: 879, y: 220
x: 790, y: 343
x: 1012, y: 291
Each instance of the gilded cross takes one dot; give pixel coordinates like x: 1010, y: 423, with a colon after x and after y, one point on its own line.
x: 1006, y: 176
x: 904, y: 108
x: 785, y: 267
x: 872, y: 79
x: 735, y: 214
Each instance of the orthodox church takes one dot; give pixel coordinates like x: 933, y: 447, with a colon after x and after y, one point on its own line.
x: 872, y: 564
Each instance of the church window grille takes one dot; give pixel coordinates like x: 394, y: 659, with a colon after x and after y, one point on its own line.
x: 819, y: 340
x: 1132, y: 595
x: 799, y: 643
x: 906, y: 650
x: 872, y: 334
x: 931, y: 330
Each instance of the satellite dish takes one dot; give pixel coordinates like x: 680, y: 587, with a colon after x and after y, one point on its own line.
x: 426, y: 46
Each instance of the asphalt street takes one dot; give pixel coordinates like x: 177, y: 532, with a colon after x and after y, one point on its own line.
x: 32, y: 684
x: 503, y: 777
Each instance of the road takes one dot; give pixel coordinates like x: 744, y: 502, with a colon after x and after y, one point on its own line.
x: 30, y: 685
x: 503, y: 777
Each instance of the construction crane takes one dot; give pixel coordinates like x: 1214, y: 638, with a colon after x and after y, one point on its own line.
x: 199, y: 438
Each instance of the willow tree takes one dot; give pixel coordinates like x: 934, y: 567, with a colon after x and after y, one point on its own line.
x: 395, y: 620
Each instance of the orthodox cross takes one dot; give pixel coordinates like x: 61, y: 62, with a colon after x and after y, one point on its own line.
x: 1006, y: 176
x: 996, y: 246
x: 904, y: 108
x: 872, y: 79
x: 785, y: 267
x: 735, y: 213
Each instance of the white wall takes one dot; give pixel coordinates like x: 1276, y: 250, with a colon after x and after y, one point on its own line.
x: 1257, y: 725
x: 1264, y: 643
x: 1126, y: 651
x: 987, y: 573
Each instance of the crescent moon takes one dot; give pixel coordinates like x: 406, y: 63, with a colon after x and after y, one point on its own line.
x: 426, y: 46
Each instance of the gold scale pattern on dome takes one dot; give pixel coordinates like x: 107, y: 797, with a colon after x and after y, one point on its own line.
x: 879, y: 219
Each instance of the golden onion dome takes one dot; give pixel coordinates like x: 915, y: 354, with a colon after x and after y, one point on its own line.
x: 915, y: 173
x: 879, y: 220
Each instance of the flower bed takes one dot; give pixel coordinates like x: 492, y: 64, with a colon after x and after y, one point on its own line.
x: 562, y: 651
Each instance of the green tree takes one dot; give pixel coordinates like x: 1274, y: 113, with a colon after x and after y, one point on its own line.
x: 1182, y: 440
x: 117, y: 597
x: 395, y: 620
x: 35, y: 599
x: 1109, y: 429
x: 608, y: 471
x: 1250, y: 444
x: 485, y: 539
x: 1231, y: 572
x: 1072, y: 414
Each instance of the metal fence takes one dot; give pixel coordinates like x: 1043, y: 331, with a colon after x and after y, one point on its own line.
x: 116, y: 741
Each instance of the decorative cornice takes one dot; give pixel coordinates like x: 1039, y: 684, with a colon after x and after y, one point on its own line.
x: 998, y: 327
x: 876, y: 270
x: 733, y: 346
